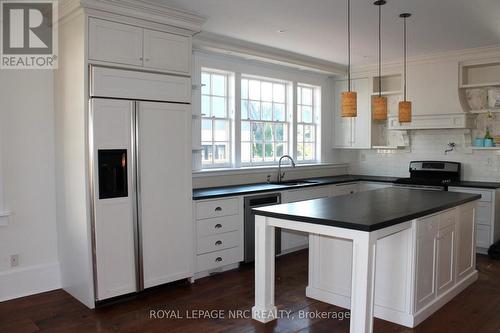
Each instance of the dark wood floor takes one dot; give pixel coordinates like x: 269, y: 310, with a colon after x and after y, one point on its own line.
x: 477, y: 309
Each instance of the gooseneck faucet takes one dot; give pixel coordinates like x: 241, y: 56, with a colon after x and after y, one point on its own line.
x: 281, y: 175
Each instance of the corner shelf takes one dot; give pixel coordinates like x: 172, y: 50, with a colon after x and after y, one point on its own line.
x: 484, y: 148
x: 480, y: 85
x: 483, y: 111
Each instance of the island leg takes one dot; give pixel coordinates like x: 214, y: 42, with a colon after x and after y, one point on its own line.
x: 264, y: 309
x: 363, y: 282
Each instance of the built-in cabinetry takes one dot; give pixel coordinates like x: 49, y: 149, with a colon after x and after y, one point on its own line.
x: 487, y: 216
x: 406, y: 291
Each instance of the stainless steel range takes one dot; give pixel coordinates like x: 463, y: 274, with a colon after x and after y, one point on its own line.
x: 431, y: 175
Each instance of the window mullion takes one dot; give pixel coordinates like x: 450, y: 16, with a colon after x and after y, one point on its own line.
x: 293, y: 135
x: 236, y: 142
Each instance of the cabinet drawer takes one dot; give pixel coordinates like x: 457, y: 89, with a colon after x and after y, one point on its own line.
x: 219, y: 225
x: 483, y: 213
x: 215, y: 208
x: 218, y: 259
x: 485, y: 195
x: 483, y: 236
x: 218, y: 242
x: 428, y: 226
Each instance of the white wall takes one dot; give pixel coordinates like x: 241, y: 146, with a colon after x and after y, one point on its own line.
x: 27, y: 138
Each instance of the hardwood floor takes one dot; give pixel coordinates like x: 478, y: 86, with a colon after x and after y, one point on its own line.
x: 477, y: 309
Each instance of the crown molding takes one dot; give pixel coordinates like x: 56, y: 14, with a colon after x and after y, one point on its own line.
x: 138, y: 9
x: 458, y: 55
x: 206, y: 41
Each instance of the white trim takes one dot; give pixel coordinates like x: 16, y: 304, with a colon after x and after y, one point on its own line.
x: 31, y: 280
x: 266, y: 168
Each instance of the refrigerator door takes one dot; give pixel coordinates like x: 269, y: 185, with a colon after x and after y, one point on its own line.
x: 164, y: 191
x: 113, y: 202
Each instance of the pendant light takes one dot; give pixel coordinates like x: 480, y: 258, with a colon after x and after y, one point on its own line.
x: 404, y: 106
x: 349, y: 98
x: 379, y: 105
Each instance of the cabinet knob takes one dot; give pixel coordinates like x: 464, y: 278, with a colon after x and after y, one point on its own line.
x: 218, y: 226
x: 218, y: 209
x: 218, y: 259
x: 141, y: 58
x: 218, y: 243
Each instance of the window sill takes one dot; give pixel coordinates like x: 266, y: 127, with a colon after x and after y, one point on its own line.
x: 265, y: 168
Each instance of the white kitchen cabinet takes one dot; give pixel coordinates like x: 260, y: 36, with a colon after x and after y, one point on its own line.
x: 353, y: 132
x: 135, y: 46
x: 115, y: 42
x: 445, y: 262
x: 293, y: 240
x: 487, y: 216
x: 165, y: 191
x: 425, y: 282
x: 466, y: 259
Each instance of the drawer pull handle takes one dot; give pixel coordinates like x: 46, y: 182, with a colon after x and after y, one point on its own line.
x: 218, y: 259
x: 218, y: 226
x: 218, y: 243
x: 218, y: 209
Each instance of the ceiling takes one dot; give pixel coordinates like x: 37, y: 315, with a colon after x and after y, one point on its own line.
x: 317, y: 28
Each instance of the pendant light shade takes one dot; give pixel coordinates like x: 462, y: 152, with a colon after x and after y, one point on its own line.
x: 404, y: 106
x: 349, y: 98
x: 379, y: 103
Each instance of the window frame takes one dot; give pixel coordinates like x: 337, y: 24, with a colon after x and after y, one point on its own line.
x: 315, y: 121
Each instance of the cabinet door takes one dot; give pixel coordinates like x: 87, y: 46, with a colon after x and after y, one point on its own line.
x: 165, y: 192
x: 361, y: 127
x: 115, y: 42
x: 445, y: 245
x: 342, y: 134
x: 166, y: 51
x: 465, y: 242
x: 113, y: 219
x: 425, y: 286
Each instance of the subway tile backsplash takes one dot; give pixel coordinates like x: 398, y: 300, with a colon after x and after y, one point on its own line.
x: 427, y: 145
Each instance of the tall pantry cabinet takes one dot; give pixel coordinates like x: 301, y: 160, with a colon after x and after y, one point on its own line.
x: 123, y: 147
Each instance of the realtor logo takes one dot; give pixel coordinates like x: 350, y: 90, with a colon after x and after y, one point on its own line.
x: 29, y: 34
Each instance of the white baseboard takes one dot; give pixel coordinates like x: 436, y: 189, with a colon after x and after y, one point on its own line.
x: 27, y: 281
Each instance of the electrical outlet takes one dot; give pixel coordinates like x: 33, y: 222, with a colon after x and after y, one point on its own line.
x: 14, y: 260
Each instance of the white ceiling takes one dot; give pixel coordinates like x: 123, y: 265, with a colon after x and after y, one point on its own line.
x: 317, y: 28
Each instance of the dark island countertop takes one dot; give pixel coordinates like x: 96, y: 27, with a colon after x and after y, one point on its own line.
x: 368, y: 211
x: 226, y: 191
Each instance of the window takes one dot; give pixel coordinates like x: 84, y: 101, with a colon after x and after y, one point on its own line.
x: 264, y: 123
x: 306, y: 123
x: 215, y: 120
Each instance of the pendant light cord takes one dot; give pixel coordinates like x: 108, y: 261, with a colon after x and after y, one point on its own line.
x: 404, y: 51
x: 349, y: 45
x: 379, y: 51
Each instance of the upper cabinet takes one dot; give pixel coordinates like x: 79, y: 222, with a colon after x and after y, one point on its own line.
x: 353, y: 132
x: 134, y: 46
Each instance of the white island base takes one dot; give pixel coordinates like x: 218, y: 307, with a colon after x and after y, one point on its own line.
x: 402, y: 273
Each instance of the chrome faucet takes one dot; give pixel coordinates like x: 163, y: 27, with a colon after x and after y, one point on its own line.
x: 281, y: 175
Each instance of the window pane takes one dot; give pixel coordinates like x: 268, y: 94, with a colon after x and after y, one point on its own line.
x: 279, y: 132
x: 206, y: 153
x: 255, y: 110
x: 206, y: 130
x: 257, y: 131
x: 245, y: 131
x: 268, y: 132
x: 300, y: 133
x: 267, y: 91
x: 279, y: 112
x: 308, y: 151
x: 205, y: 83
x: 244, y: 88
x: 221, y: 153
x: 306, y: 96
x: 254, y: 90
x: 269, y: 152
x: 257, y: 153
x: 299, y: 113
x: 221, y: 130
x: 299, y: 95
x: 205, y: 106
x: 300, y: 151
x: 279, y: 93
x: 244, y: 109
x: 245, y: 151
x: 308, y: 134
x: 279, y: 150
x: 219, y: 107
x: 218, y: 85
x: 267, y: 111
x: 306, y: 114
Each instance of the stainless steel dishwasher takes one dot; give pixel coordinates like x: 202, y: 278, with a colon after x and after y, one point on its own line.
x: 249, y: 229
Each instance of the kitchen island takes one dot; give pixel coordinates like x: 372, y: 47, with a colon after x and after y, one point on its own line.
x: 398, y: 254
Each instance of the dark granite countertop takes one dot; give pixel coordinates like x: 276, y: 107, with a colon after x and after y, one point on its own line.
x: 368, y: 211
x: 226, y: 191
